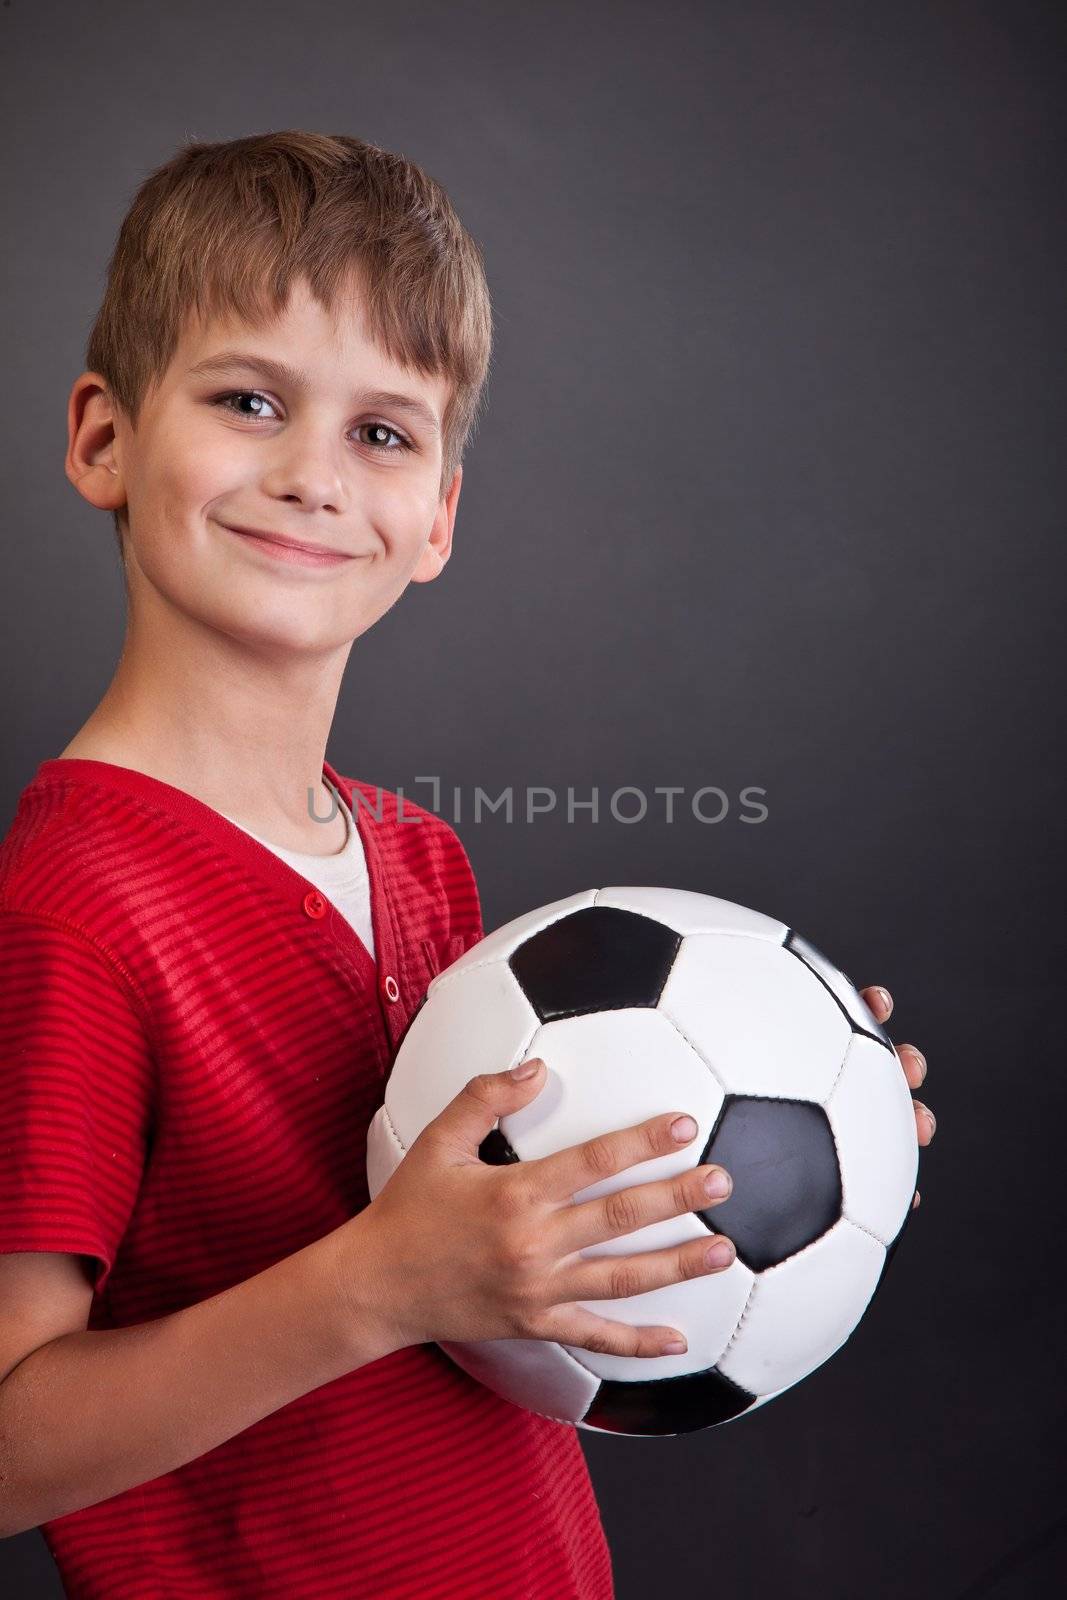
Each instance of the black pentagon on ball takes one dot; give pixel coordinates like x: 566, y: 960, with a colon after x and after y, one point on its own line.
x: 667, y: 1405
x: 597, y: 959
x: 787, y: 1184
x: 495, y: 1150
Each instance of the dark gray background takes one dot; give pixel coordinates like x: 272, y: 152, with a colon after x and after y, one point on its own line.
x: 765, y: 494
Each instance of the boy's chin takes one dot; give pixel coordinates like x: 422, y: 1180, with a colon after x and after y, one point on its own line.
x: 288, y: 635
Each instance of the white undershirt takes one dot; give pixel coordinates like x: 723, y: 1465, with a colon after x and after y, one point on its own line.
x: 342, y: 877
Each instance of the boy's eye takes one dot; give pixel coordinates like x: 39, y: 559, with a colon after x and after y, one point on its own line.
x: 259, y: 401
x: 383, y: 427
x: 225, y: 401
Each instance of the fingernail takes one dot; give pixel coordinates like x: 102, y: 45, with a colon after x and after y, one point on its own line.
x: 887, y: 998
x: 683, y: 1128
x: 674, y: 1347
x: 921, y: 1059
x: 717, y: 1184
x: 929, y: 1113
x: 526, y: 1069
x: 720, y: 1254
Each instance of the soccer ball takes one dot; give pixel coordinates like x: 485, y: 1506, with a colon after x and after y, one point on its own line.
x: 647, y: 1000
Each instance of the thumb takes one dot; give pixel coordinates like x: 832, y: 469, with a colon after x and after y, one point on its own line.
x: 484, y: 1099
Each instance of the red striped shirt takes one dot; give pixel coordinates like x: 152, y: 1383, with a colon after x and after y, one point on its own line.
x: 192, y: 1044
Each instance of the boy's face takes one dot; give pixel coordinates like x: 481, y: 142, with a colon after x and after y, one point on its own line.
x: 241, y: 447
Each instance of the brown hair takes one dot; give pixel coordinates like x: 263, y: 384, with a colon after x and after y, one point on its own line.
x: 226, y: 228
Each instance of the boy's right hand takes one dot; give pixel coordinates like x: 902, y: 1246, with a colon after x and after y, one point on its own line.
x: 455, y: 1249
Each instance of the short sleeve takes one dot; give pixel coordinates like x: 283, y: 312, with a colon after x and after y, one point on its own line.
x: 76, y: 1090
x: 457, y: 923
x: 462, y: 911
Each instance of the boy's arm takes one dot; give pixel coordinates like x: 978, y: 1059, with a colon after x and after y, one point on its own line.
x: 91, y: 1414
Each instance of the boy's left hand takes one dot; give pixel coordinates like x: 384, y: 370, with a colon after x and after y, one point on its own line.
x: 880, y: 1002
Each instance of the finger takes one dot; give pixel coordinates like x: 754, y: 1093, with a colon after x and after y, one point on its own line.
x: 925, y: 1123
x: 574, y: 1325
x: 562, y: 1174
x: 914, y: 1064
x: 475, y: 1110
x: 621, y: 1277
x: 915, y: 1200
x: 879, y: 1001
x: 626, y: 1210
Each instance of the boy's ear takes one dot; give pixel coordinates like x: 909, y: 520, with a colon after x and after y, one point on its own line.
x: 439, y: 547
x: 91, y: 463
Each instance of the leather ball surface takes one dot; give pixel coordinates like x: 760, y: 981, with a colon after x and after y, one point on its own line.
x: 648, y: 1000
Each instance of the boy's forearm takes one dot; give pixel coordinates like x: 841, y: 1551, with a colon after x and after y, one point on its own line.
x: 91, y: 1414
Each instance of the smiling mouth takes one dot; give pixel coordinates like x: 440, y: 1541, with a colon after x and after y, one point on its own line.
x: 302, y: 551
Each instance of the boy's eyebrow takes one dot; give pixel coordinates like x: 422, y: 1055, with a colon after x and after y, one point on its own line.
x: 281, y: 372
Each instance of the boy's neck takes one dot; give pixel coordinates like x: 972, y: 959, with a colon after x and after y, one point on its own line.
x: 246, y: 736
x: 237, y: 796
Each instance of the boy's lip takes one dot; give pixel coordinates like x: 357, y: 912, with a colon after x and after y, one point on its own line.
x: 291, y: 544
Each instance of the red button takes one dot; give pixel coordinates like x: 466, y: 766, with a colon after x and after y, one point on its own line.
x: 314, y: 904
x: 390, y: 987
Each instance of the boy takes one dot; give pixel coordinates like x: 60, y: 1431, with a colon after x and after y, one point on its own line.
x: 217, y: 1367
